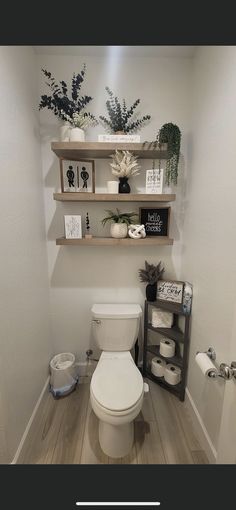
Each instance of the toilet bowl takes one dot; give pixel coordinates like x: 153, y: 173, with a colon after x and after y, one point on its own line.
x: 117, y: 388
x: 116, y: 395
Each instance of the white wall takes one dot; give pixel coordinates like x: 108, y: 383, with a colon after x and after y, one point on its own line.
x: 209, y: 247
x: 81, y: 276
x: 25, y: 344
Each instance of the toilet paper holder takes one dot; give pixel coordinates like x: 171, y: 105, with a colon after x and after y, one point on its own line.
x: 227, y: 372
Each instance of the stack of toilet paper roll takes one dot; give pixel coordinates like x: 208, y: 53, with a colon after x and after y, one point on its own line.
x: 171, y: 373
x: 161, y: 318
x: 158, y: 366
x: 167, y: 347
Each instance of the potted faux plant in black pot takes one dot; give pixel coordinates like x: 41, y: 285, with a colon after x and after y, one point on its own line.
x: 122, y: 119
x: 124, y: 165
x: 119, y: 222
x: 151, y: 274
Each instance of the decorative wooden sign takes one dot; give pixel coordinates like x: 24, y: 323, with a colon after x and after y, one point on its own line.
x: 168, y: 290
x: 155, y: 220
x: 77, y: 175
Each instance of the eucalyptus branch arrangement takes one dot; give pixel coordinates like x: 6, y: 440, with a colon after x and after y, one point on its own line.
x: 124, y: 164
x: 121, y: 117
x: 68, y: 105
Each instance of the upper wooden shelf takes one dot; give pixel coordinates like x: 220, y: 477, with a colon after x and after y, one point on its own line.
x: 102, y: 150
x: 110, y: 197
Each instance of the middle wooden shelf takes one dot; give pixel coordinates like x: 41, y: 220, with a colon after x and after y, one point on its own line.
x: 110, y: 197
x: 111, y: 241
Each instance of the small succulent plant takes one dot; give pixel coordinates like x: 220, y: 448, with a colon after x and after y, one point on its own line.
x: 124, y: 164
x: 119, y: 217
x: 151, y: 274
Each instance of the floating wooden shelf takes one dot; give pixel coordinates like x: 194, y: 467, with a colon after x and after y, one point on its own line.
x: 110, y: 241
x: 102, y: 150
x: 110, y: 197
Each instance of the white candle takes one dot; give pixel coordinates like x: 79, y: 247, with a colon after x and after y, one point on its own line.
x: 112, y: 186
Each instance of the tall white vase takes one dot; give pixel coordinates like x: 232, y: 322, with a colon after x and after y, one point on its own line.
x: 76, y: 135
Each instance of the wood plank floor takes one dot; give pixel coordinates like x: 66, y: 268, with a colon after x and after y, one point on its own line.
x: 65, y: 431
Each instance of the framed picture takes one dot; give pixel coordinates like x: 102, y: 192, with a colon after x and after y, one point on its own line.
x: 77, y: 175
x: 154, y: 180
x: 73, y: 229
x: 168, y: 290
x: 155, y: 220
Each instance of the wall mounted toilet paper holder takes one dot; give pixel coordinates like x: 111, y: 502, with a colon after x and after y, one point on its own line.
x: 225, y: 371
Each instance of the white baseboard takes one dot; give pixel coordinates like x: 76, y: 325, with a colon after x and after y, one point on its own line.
x: 14, y: 461
x: 200, y: 428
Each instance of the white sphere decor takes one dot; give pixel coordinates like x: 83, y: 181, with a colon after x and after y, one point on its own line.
x: 119, y: 230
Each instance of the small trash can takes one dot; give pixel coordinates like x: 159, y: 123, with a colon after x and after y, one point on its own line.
x: 63, y: 374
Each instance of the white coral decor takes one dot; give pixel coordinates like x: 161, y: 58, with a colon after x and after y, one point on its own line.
x: 124, y: 164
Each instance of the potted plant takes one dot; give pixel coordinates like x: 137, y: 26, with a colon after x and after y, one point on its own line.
x: 170, y: 134
x: 151, y: 274
x: 68, y: 105
x: 119, y: 222
x: 121, y: 118
x: 123, y: 166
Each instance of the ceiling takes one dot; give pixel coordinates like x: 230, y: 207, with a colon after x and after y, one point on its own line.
x: 124, y: 51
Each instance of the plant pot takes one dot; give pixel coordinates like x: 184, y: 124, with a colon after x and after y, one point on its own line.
x: 124, y: 186
x: 119, y: 230
x: 65, y: 132
x: 151, y: 291
x: 120, y: 133
x: 76, y: 135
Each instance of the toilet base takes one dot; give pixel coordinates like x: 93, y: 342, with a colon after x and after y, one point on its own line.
x: 116, y: 441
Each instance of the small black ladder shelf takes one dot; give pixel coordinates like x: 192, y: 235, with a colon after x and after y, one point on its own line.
x: 176, y: 334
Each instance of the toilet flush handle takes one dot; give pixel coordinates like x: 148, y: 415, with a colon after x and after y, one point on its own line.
x: 145, y: 387
x: 97, y: 321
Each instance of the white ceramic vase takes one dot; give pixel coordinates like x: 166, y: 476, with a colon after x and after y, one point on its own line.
x: 76, y: 135
x: 119, y: 230
x: 65, y: 132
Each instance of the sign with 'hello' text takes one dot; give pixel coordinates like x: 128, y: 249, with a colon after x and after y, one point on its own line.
x: 155, y: 220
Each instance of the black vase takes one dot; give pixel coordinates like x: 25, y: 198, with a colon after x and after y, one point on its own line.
x: 151, y: 291
x: 124, y: 186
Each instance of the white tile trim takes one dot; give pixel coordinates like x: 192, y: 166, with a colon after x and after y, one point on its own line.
x: 201, y: 430
x: 24, y: 437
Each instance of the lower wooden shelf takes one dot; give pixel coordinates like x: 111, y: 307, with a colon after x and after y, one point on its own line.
x: 110, y: 241
x: 155, y: 349
x: 174, y: 388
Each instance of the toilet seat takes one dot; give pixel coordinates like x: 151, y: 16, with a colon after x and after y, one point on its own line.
x: 117, y: 384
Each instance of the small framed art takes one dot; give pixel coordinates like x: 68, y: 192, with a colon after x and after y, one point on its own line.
x: 73, y: 229
x: 155, y: 220
x: 168, y: 290
x: 77, y: 175
x: 154, y: 180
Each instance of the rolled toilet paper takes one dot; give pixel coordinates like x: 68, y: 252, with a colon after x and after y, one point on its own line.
x: 172, y: 374
x: 158, y: 366
x: 205, y: 364
x: 162, y: 318
x: 167, y: 347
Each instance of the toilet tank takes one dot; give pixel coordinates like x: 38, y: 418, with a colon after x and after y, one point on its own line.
x: 116, y: 326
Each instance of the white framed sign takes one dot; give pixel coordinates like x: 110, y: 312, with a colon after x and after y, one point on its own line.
x: 154, y: 180
x: 73, y: 229
x: 168, y: 290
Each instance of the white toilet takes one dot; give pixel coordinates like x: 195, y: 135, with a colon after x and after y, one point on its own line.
x: 117, y: 388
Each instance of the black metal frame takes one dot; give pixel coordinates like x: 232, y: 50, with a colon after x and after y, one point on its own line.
x: 174, y: 333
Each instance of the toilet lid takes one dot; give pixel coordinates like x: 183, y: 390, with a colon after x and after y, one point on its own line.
x: 117, y: 384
